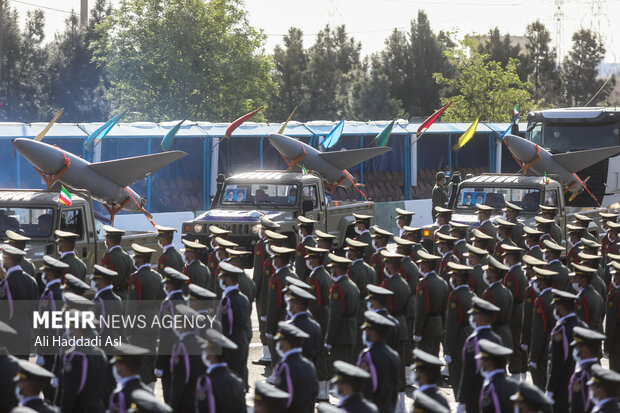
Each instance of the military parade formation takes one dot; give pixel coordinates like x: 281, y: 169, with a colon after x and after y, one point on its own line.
x: 361, y: 322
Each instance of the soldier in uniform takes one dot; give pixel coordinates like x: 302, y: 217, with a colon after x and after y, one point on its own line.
x: 561, y: 362
x: 19, y: 241
x: 445, y: 247
x: 403, y: 219
x: 584, y: 221
x: 612, y: 319
x: 269, y: 399
x: 512, y: 212
x: 531, y: 238
x: 476, y: 258
x: 201, y: 300
x: 146, y: 402
x: 126, y: 366
x: 549, y: 212
x: 219, y: 389
x: 8, y: 367
x: 170, y: 257
x: 431, y: 299
x: 586, y: 352
x: 544, y: 225
x: 611, y: 245
x: 481, y: 317
x: 66, y: 250
x: 381, y: 362
x: 344, y: 300
x: 29, y: 382
x: 516, y: 281
x: 234, y: 311
x: 197, y: 272
x: 426, y: 404
x: 362, y: 224
x: 542, y: 324
x: 575, y: 233
x: 498, y: 294
x: 295, y: 374
x: 497, y: 389
x: 604, y: 386
x: 174, y: 281
x: 239, y: 259
x: 553, y: 252
x: 590, y: 304
x: 530, y: 398
x: 444, y: 216
x: 18, y: 291
x: 485, y: 226
x: 320, y: 282
x: 107, y: 303
x: 381, y: 238
x: 440, y: 193
x: 350, y: 381
x: 378, y: 299
x: 504, y: 234
x: 481, y: 240
x: 144, y: 291
x: 529, y: 297
x: 117, y: 260
x: 306, y: 228
x: 590, y: 247
x: 212, y: 261
x: 592, y: 261
x: 76, y: 286
x: 459, y: 231
x: 414, y: 235
x: 325, y: 241
x: 427, y: 373
x: 457, y: 322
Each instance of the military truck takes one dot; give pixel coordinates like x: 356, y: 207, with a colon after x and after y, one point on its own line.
x: 37, y: 214
x: 242, y: 199
x: 528, y: 192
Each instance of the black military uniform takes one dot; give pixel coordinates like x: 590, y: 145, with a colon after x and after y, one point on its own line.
x: 382, y: 363
x: 485, y: 226
x: 239, y: 259
x: 269, y: 398
x: 19, y: 241
x: 145, y: 401
x: 355, y: 378
x: 512, y: 211
x: 476, y: 275
x: 426, y: 404
x: 107, y: 303
x: 589, y: 306
x: 37, y: 377
x: 131, y: 357
x: 198, y: 273
x: 378, y: 299
x: 117, y: 260
x: 579, y: 396
x: 440, y: 194
x: 592, y: 261
x: 300, y: 250
x: 212, y: 259
x: 428, y: 366
x: 604, y: 383
x: 8, y: 367
x: 364, y: 236
x: 76, y: 265
x: 530, y: 398
x: 320, y: 282
x: 612, y: 332
x: 76, y: 286
x: 295, y: 374
x: 497, y: 389
x: 361, y: 274
x: 170, y: 257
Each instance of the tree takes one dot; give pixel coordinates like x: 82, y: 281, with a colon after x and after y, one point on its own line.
x: 482, y: 87
x: 165, y: 58
x: 580, y: 70
x: 370, y: 95
x: 540, y: 61
x: 501, y: 50
x: 291, y: 63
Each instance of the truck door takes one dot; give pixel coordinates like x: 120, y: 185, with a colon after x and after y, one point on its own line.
x: 73, y: 220
x: 311, y: 193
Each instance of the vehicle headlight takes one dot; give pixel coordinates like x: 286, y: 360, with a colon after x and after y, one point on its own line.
x: 198, y: 228
x: 427, y: 233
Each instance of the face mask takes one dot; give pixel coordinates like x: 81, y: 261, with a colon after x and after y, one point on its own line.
x: 44, y: 278
x: 279, y: 349
x: 338, y: 394
x: 468, y: 262
x: 485, y: 277
x: 117, y: 376
x: 205, y: 360
x: 161, y: 244
x: 218, y: 256
x: 484, y: 373
x: 385, y: 271
x: 93, y: 285
x: 472, y: 323
x: 374, y: 244
x: 536, y: 288
x: 212, y: 244
x: 452, y: 284
x: 369, y: 306
x: 592, y: 397
x: 308, y: 265
x: 365, y: 339
x: 576, y: 286
x: 498, y: 237
x: 59, y: 251
x: 289, y: 311
x: 358, y: 230
x: 416, y: 382
x: 267, y: 249
x: 506, y: 263
x: 556, y: 314
x: 301, y: 234
x: 545, y: 258
x: 613, y: 282
x: 18, y: 393
x: 222, y: 284
x: 576, y: 355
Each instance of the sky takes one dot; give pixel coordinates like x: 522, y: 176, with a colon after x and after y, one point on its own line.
x: 370, y: 22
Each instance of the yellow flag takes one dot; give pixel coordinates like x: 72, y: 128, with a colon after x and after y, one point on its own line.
x: 281, y: 131
x: 41, y: 134
x: 466, y: 137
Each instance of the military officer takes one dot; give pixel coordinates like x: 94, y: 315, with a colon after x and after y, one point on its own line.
x: 426, y: 404
x: 126, y: 366
x: 544, y: 225
x: 590, y: 247
x: 604, y: 386
x: 481, y: 317
x: 586, y: 352
x: 504, y: 234
x: 66, y: 251
x: 427, y: 372
x: 19, y: 241
x: 295, y: 374
x: 414, y: 235
x: 497, y: 389
x: 344, y: 299
x: 8, y: 367
x: 403, y: 219
x: 549, y: 212
x: 146, y: 402
x: 612, y: 241
x: 222, y: 245
x: 553, y: 253
x: 306, y: 228
x: 511, y: 211
x: 592, y: 261
x: 173, y: 285
x: 320, y: 282
x: 516, y: 281
x: 481, y: 240
x: 362, y: 224
x: 575, y: 233
x: 431, y: 299
x: 74, y: 285
x: 476, y: 258
x: 350, y: 382
x: 531, y: 239
x: 117, y: 260
x: 29, y: 382
x: 498, y: 294
x: 590, y: 304
x: 484, y: 224
x: 542, y: 324
x: 324, y: 240
x: 612, y: 342
x: 440, y: 193
x: 457, y: 322
x: 459, y: 231
x: 202, y: 300
x: 444, y: 216
x: 107, y: 303
x: 378, y: 301
x: 219, y: 389
x: 445, y: 248
x: 170, y: 257
x: 529, y: 297
x: 584, y: 222
x: 359, y: 272
x: 197, y: 272
x: 269, y: 399
x: 561, y: 363
x: 530, y: 398
x: 212, y: 261
x: 381, y: 362
x: 239, y: 259
x: 381, y: 238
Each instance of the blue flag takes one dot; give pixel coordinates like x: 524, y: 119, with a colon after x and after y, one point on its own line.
x: 166, y: 142
x: 333, y: 137
x: 102, y: 131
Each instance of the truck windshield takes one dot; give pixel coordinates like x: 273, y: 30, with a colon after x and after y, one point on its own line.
x: 259, y: 194
x: 31, y: 222
x: 563, y: 137
x: 526, y: 198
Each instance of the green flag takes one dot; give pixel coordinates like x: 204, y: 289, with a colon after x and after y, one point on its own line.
x: 383, y: 137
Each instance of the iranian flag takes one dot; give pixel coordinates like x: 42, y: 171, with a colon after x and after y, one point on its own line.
x: 65, y: 196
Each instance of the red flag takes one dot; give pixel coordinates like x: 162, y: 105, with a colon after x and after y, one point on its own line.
x: 431, y: 119
x: 239, y: 121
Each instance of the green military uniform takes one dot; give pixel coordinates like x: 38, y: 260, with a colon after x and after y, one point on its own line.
x: 247, y: 287
x: 447, y: 254
x: 542, y: 325
x: 612, y: 330
x: 497, y: 294
x: 365, y: 235
x: 561, y: 280
x: 300, y: 251
x: 590, y: 304
x: 19, y: 241
x: 584, y: 221
x: 361, y: 274
x: 516, y: 281
x: 517, y: 230
x: 197, y: 272
x: 320, y: 281
x: 529, y: 297
x: 457, y: 326
x: 476, y: 274
x: 431, y: 299
x: 116, y: 259
x: 439, y: 197
x: 76, y: 265
x: 170, y: 257
x: 28, y: 267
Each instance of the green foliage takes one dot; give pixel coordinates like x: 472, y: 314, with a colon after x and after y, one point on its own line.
x: 165, y: 57
x: 370, y: 95
x: 482, y: 87
x: 502, y: 51
x: 541, y: 65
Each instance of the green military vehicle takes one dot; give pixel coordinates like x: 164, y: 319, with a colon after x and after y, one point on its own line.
x: 37, y: 214
x: 242, y: 199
